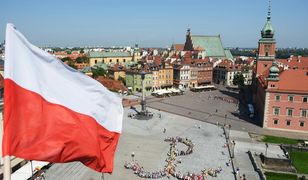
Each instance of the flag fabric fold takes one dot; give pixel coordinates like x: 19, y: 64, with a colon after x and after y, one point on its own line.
x: 55, y: 113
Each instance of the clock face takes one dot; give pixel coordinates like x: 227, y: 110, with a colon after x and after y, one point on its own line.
x: 267, y: 47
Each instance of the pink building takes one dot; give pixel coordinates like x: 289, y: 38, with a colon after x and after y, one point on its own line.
x: 282, y: 99
x: 281, y: 86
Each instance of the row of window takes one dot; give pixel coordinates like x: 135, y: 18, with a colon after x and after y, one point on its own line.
x: 184, y: 72
x: 110, y: 60
x: 183, y: 78
x: 303, y: 112
x: 288, y: 123
x: 291, y: 98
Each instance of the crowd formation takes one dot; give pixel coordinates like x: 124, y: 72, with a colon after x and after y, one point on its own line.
x: 226, y: 99
x: 139, y: 171
x: 172, y: 161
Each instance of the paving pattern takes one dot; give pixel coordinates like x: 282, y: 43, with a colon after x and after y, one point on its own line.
x: 146, y: 140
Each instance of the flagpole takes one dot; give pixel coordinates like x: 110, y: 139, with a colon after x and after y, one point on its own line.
x: 7, y: 168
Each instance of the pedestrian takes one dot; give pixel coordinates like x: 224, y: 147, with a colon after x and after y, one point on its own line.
x: 164, y: 130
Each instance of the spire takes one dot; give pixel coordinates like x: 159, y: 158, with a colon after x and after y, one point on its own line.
x: 188, y: 31
x: 268, y: 30
x: 269, y: 11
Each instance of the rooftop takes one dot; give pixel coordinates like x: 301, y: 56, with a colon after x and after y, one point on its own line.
x: 212, y: 45
x: 109, y: 54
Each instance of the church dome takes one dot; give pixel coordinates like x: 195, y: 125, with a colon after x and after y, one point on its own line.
x: 274, y: 70
x: 268, y: 30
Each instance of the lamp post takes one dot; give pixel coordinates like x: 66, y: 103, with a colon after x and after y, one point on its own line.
x: 133, y: 156
x: 143, y: 103
x: 266, y: 146
x: 232, y: 149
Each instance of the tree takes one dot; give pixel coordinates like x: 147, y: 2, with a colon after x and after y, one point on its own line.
x: 98, y: 72
x: 238, y: 80
x: 66, y: 59
x: 71, y: 64
x: 82, y: 59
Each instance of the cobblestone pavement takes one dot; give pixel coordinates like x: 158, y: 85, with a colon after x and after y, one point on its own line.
x: 146, y: 140
x: 243, y: 144
x: 198, y: 105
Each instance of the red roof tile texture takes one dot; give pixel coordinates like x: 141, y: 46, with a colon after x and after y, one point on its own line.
x: 293, y: 80
x: 178, y: 47
x: 111, y: 84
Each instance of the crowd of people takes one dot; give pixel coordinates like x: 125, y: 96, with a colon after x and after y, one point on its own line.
x: 139, y: 171
x: 226, y: 99
x: 172, y: 161
x: 185, y: 141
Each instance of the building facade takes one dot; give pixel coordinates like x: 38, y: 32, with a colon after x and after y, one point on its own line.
x: 281, y: 92
x: 110, y: 58
x: 134, y: 82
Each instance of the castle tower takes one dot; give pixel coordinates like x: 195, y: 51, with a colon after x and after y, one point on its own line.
x: 267, y: 46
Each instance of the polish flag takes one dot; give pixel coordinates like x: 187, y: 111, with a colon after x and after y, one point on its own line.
x: 53, y: 112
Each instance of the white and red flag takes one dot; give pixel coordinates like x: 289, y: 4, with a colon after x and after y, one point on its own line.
x: 55, y: 113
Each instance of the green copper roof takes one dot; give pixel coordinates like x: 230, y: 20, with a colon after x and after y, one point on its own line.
x: 101, y: 65
x: 86, y: 70
x: 108, y: 54
x: 268, y: 30
x: 274, y: 69
x: 212, y: 45
x: 228, y: 54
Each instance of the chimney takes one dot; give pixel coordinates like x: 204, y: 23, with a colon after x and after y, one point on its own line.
x: 289, y: 59
x: 299, y: 59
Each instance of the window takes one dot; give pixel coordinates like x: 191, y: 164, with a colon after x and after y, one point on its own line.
x: 290, y: 112
x: 265, y: 65
x: 288, y: 122
x: 95, y: 61
x: 305, y: 99
x: 277, y: 98
x: 110, y: 60
x: 290, y: 98
x: 117, y: 60
x: 124, y: 60
x: 302, y: 124
x: 303, y: 113
x: 276, y: 121
x: 276, y: 110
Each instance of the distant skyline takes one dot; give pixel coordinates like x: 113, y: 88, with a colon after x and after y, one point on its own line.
x: 156, y: 23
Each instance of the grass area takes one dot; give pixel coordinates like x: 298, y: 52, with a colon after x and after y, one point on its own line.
x: 279, y: 176
x: 300, y: 161
x: 279, y: 140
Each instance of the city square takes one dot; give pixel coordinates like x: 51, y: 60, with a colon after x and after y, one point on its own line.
x: 129, y: 90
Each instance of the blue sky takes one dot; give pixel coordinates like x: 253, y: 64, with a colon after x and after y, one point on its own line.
x: 153, y: 23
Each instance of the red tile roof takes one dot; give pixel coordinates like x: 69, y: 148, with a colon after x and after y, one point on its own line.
x: 178, y: 47
x: 296, y: 62
x: 293, y: 80
x: 111, y: 84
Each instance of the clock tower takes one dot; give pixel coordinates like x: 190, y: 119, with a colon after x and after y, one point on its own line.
x: 267, y: 46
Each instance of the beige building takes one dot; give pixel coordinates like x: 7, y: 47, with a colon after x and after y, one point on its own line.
x: 165, y: 75
x: 116, y: 71
x: 110, y: 57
